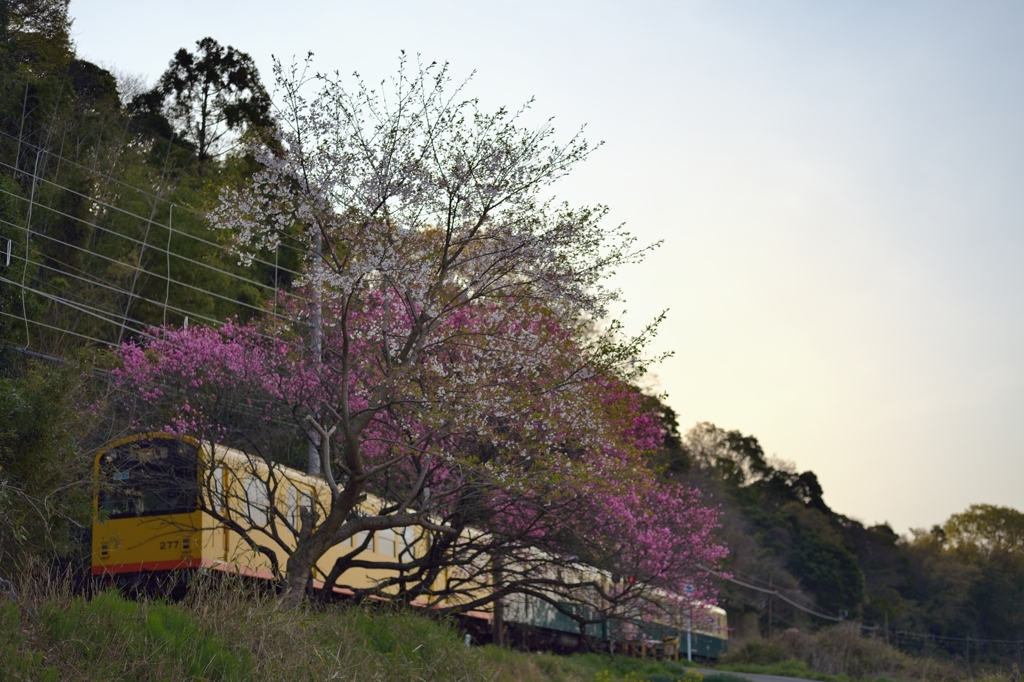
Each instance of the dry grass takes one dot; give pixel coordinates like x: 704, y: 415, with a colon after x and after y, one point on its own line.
x: 223, y: 634
x: 840, y: 652
x: 229, y: 632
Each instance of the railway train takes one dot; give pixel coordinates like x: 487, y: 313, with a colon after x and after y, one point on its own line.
x: 169, y: 505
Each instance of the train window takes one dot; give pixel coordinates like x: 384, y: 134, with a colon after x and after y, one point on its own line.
x: 216, y: 487
x: 292, y: 507
x: 409, y: 536
x: 298, y: 502
x: 305, y: 504
x: 386, y: 544
x: 361, y: 538
x: 149, y: 477
x: 257, y: 500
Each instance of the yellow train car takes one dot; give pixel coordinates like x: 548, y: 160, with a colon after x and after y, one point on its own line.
x: 170, y: 503
x: 165, y: 503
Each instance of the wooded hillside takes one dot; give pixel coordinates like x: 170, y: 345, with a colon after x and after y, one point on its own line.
x: 961, y: 579
x: 107, y: 187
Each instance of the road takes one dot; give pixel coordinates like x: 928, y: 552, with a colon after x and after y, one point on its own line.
x: 752, y: 676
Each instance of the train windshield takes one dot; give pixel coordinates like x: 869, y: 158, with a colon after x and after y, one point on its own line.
x: 148, y: 477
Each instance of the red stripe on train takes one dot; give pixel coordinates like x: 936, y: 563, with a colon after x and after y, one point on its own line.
x: 169, y: 565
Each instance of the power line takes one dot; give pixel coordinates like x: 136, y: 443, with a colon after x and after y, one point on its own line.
x: 59, y: 329
x: 92, y: 280
x: 920, y: 635
x: 776, y: 593
x: 925, y: 635
x: 81, y: 304
x: 129, y: 213
x: 135, y: 268
x: 93, y: 171
x: 121, y: 320
x: 89, y: 310
x: 144, y: 244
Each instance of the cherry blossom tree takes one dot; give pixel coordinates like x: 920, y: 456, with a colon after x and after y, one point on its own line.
x: 587, y: 524
x: 438, y: 267
x: 445, y: 355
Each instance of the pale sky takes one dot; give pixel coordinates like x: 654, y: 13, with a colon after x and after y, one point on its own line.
x: 843, y: 258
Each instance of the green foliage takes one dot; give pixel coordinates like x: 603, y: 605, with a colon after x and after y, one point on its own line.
x: 207, y: 658
x: 789, y: 668
x: 210, y: 93
x: 987, y: 529
x: 776, y: 523
x: 963, y: 578
x: 229, y: 634
x: 44, y: 494
x: 17, y: 660
x: 103, y: 176
x: 821, y: 557
x: 593, y: 666
x: 757, y: 652
x: 111, y: 638
x: 835, y: 653
x: 624, y: 667
x: 966, y: 577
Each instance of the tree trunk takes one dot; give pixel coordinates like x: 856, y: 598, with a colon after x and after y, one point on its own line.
x: 300, y: 569
x: 499, y: 611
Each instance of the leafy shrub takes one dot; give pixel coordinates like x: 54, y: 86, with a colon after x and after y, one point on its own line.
x: 756, y: 652
x: 16, y: 661
x: 45, y: 493
x: 839, y: 651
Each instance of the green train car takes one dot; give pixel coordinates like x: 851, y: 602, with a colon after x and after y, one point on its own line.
x: 534, y: 623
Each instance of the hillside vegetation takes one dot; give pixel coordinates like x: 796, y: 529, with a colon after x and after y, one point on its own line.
x: 232, y: 634
x: 838, y: 652
x: 100, y: 158
x: 956, y: 589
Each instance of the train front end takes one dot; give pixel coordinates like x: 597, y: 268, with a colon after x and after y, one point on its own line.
x: 146, y: 512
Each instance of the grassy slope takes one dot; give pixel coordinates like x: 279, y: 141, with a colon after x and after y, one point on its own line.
x: 841, y: 654
x: 228, y: 635
x: 225, y: 636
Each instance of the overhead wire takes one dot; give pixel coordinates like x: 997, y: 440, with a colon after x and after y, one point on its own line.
x: 126, y: 212
x: 87, y: 280
x: 59, y: 329
x: 112, y: 317
x: 106, y: 176
x: 90, y: 310
x: 135, y: 268
x: 775, y: 592
x: 145, y: 244
x: 123, y: 319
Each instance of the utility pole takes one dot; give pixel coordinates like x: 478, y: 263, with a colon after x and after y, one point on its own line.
x: 689, y: 643
x: 498, y: 623
x: 316, y: 348
x: 771, y: 591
